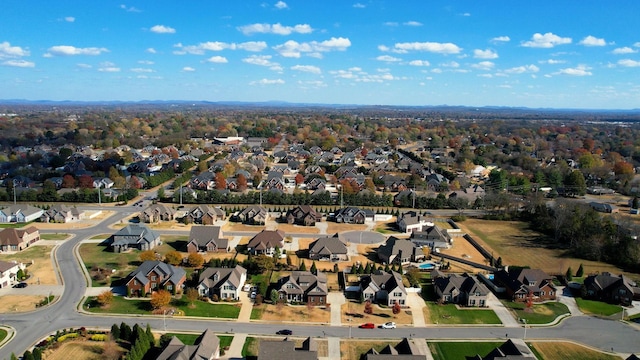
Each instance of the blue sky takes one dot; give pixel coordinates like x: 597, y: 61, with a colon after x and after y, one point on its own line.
x: 556, y: 54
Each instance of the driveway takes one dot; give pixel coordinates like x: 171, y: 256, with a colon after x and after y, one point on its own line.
x: 247, y: 306
x: 565, y: 297
x: 416, y: 304
x: 336, y: 299
x: 503, y: 313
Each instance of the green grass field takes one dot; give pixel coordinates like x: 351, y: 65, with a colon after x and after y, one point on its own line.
x: 449, y: 314
x: 460, y: 350
x: 121, y: 305
x: 538, y: 313
x: 3, y: 334
x: 55, y: 236
x: 597, y: 307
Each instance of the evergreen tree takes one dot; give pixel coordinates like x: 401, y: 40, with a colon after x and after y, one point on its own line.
x: 135, y: 332
x: 115, y: 331
x: 37, y: 354
x: 13, y: 356
x: 302, y: 266
x: 386, y: 268
x: 499, y: 262
x: 27, y: 355
x: 125, y: 331
x: 580, y: 271
x: 314, y: 269
x: 367, y: 269
x: 569, y: 274
x: 150, y: 337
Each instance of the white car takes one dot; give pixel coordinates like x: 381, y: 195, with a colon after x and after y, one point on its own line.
x: 389, y: 325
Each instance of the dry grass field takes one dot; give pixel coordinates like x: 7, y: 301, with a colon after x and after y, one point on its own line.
x: 19, y: 303
x: 333, y: 227
x: 233, y: 226
x: 297, y: 229
x: 463, y: 249
x: 380, y: 315
x: 352, y: 349
x: 81, y: 350
x: 566, y: 350
x: 518, y: 245
x: 297, y: 313
x: 41, y: 270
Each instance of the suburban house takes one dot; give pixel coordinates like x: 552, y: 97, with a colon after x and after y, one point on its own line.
x: 18, y: 239
x: 383, y: 288
x: 462, y: 289
x: 405, y: 350
x: 509, y: 350
x: 20, y: 214
x: 286, y: 349
x: 9, y: 273
x: 205, y: 215
x: 155, y: 275
x: 134, y: 236
x: 329, y: 248
x: 266, y: 242
x: 225, y: 283
x: 412, y: 221
x: 303, y: 286
x: 206, y: 347
x: 353, y: 215
x: 61, y: 214
x: 522, y: 284
x: 157, y: 212
x: 433, y: 237
x: 204, y: 238
x: 252, y: 215
x: 615, y: 289
x: 399, y: 251
x: 603, y: 207
x: 303, y: 215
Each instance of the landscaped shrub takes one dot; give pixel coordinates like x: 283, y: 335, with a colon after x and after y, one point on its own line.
x: 98, y: 337
x: 67, y: 336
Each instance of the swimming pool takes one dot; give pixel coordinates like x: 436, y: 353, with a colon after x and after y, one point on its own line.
x: 426, y: 266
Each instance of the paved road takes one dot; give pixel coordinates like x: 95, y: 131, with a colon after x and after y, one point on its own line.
x: 33, y: 326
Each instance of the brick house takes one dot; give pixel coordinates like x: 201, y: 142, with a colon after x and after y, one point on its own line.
x: 399, y: 251
x: 204, y: 238
x: 265, y: 242
x: 462, y: 289
x: 303, y: 287
x: 134, y: 236
x: 383, y: 288
x: 615, y: 289
x: 157, y: 212
x: 155, y: 275
x: 18, y: 239
x: 522, y: 284
x: 303, y: 215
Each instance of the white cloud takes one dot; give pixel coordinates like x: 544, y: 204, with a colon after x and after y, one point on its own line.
x: 624, y: 50
x: 188, y: 69
x: 485, y: 54
x: 580, y: 70
x: 19, y: 63
x: 388, y: 58
x: 307, y: 68
x: 383, y: 48
x: 359, y: 6
x: 268, y: 82
x: 551, y: 61
x: 218, y: 60
x: 419, y: 63
x: 151, y: 50
x: 277, y: 29
x: 66, y: 50
x: 501, y: 39
x: 263, y: 60
x: 161, y: 29
x: 145, y: 62
x: 637, y: 44
x: 592, y: 41
x: 84, y: 66
x: 485, y: 75
x: 129, y: 9
x: 412, y: 23
x: 548, y: 40
x: 294, y: 49
x: 434, y: 47
x: 281, y: 5
x: 466, y: 14
x: 312, y: 84
x: 484, y: 65
x: 629, y: 63
x: 109, y: 69
x: 523, y: 69
x: 142, y: 70
x: 69, y: 19
x: 8, y: 51
x: 451, y: 64
x: 200, y: 49
x: 390, y: 23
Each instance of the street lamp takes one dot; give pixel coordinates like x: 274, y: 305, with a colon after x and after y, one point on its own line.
x: 99, y: 195
x: 164, y: 319
x: 14, y: 191
x: 525, y: 329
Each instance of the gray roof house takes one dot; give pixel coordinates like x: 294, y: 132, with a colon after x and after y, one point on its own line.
x: 433, y: 237
x: 134, y: 236
x: 405, y: 350
x: 412, y: 221
x: 265, y: 242
x: 399, y: 251
x: 353, y: 215
x: 206, y: 347
x: 509, y: 350
x: 463, y: 290
x: 286, y: 349
x: 303, y: 286
x: 206, y: 238
x: 253, y: 215
x: 225, y: 283
x: 154, y: 275
x: 330, y: 248
x: 20, y: 213
x: 61, y: 214
x: 383, y: 288
x: 157, y: 212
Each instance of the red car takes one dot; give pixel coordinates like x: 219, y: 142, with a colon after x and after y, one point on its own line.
x: 367, y: 326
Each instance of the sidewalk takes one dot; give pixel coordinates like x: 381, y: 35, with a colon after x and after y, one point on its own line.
x: 235, y: 349
x: 503, y: 313
x: 247, y: 306
x: 416, y: 304
x: 564, y: 296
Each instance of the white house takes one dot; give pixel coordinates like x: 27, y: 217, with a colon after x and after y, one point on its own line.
x: 20, y: 213
x: 9, y: 273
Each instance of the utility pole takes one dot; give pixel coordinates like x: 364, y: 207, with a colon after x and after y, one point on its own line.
x: 14, y: 191
x: 180, y: 194
x: 99, y: 196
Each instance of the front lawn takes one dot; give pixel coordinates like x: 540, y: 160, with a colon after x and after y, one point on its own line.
x: 460, y: 350
x: 597, y: 307
x: 250, y: 348
x: 190, y: 339
x: 55, y: 236
x: 3, y: 335
x: 96, y: 256
x: 450, y: 314
x: 566, y: 350
x: 120, y: 305
x: 538, y: 313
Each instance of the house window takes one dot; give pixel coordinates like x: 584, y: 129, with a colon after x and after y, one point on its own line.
x: 397, y: 294
x: 472, y: 302
x: 481, y: 303
x: 321, y: 300
x: 169, y: 287
x: 622, y: 291
x: 153, y: 278
x: 135, y: 282
x: 541, y: 293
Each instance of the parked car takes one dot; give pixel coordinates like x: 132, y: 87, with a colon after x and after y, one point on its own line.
x: 284, y: 332
x: 20, y: 285
x: 388, y: 325
x: 253, y: 295
x: 367, y: 326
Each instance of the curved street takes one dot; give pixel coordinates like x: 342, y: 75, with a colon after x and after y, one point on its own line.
x: 31, y: 327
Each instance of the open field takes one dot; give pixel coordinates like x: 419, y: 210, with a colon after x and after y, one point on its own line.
x: 463, y: 249
x: 380, y: 315
x: 19, y: 303
x: 538, y: 313
x: 597, y: 308
x: 121, y: 305
x: 80, y: 350
x: 56, y: 236
x: 518, y: 245
x: 234, y: 226
x: 353, y: 349
x: 252, y: 345
x: 554, y: 350
x: 450, y: 314
x: 290, y: 313
x: 100, y: 257
x: 334, y: 227
x: 41, y: 270
x: 287, y: 228
x: 460, y: 350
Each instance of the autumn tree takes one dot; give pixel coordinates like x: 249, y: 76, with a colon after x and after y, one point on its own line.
x: 396, y: 308
x: 221, y: 182
x: 85, y: 182
x: 160, y: 299
x: 191, y: 295
x: 368, y: 308
x: 105, y: 298
x: 147, y: 255
x: 68, y: 182
x: 195, y: 260
x: 173, y: 257
x: 242, y: 182
x: 299, y: 179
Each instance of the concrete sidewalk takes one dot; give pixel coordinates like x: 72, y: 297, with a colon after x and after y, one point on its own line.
x: 247, y: 306
x: 416, y: 304
x: 235, y: 349
x: 564, y: 296
x: 503, y: 313
x: 336, y: 299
